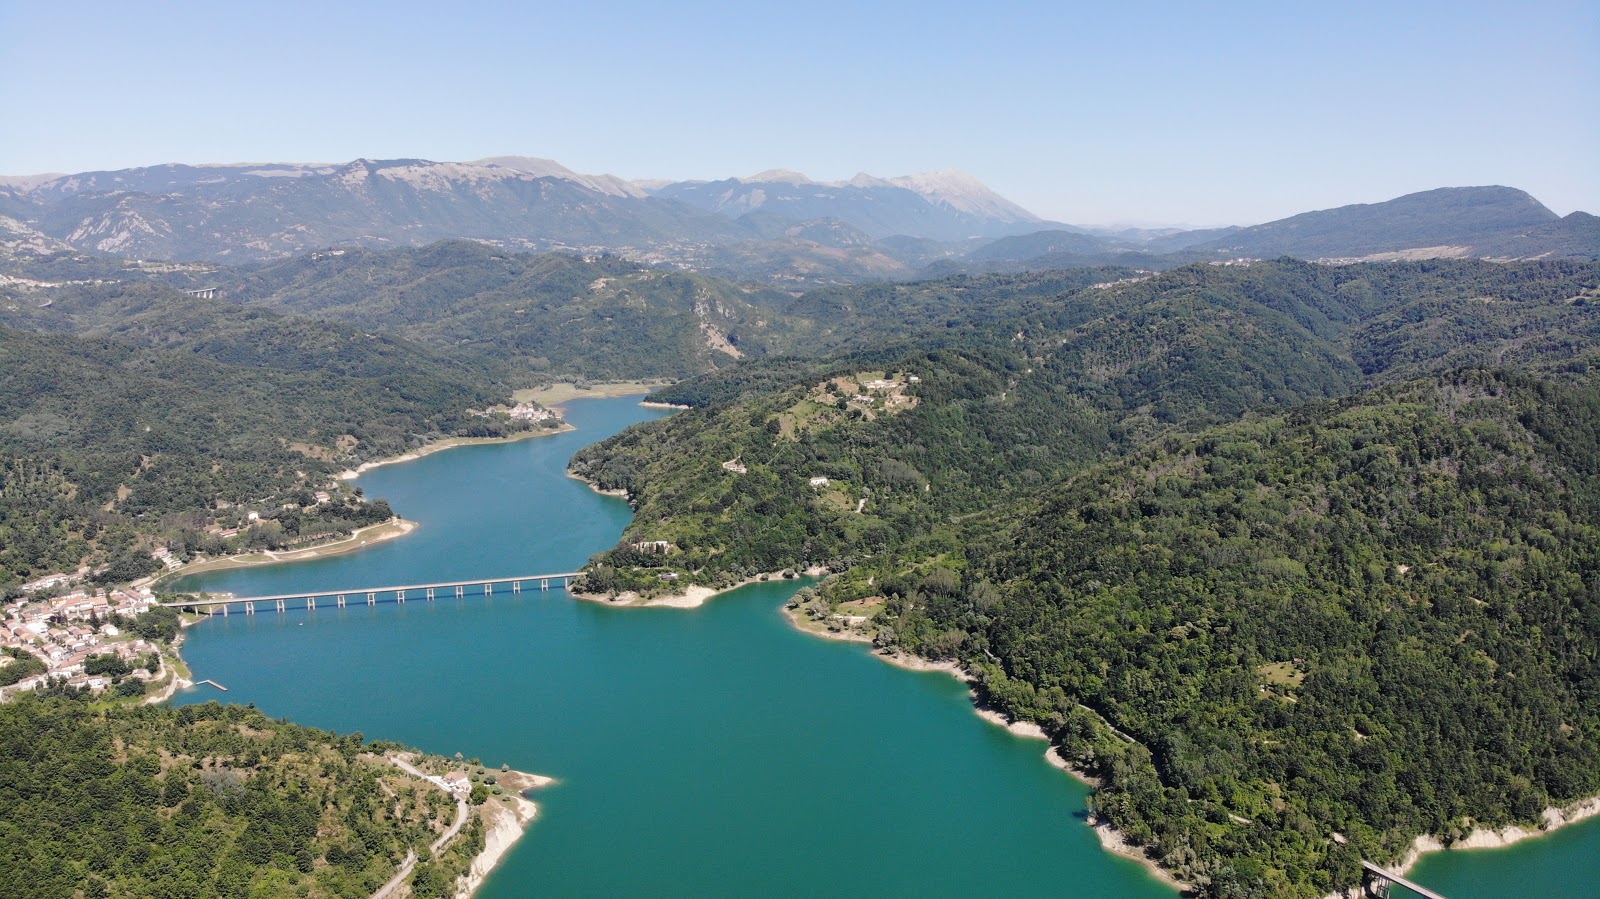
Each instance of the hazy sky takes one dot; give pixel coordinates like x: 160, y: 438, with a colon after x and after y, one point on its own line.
x: 1200, y: 113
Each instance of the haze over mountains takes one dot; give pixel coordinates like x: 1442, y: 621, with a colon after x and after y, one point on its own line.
x: 776, y: 226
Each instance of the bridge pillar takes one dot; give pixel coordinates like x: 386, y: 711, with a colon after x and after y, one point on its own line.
x: 249, y: 608
x: 311, y: 602
x: 430, y: 594
x: 516, y: 586
x: 400, y: 596
x: 339, y: 600
x: 461, y: 592
x: 283, y: 606
x: 544, y: 583
x: 488, y: 588
x: 224, y: 610
x: 372, y: 599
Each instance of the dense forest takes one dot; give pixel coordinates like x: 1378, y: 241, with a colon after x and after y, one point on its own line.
x: 1065, y: 377
x: 136, y: 409
x: 1277, y: 552
x: 1374, y: 617
x: 203, y: 801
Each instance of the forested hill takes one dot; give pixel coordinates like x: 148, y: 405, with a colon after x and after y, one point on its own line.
x: 593, y: 317
x: 1048, y: 383
x: 206, y: 801
x: 134, y: 430
x: 1376, y: 617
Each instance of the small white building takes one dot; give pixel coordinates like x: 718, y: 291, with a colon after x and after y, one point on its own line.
x: 819, y: 482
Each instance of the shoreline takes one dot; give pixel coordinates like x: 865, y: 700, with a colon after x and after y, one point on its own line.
x: 175, y: 681
x: 351, y: 474
x: 1551, y: 819
x: 503, y: 826
x: 619, y: 493
x: 1111, y: 839
x: 357, y: 539
x: 692, y: 597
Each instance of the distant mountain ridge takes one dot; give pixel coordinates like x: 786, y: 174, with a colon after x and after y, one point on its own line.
x: 262, y: 211
x: 947, y: 205
x: 1499, y: 223
x: 778, y: 227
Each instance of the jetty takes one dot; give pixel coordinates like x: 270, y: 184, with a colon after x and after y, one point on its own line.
x: 225, y: 603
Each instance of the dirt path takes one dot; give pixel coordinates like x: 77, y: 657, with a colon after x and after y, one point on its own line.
x: 406, y: 867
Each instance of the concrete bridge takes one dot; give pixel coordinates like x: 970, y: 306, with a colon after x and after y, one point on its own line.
x: 282, y: 602
x: 204, y: 293
x: 1377, y: 882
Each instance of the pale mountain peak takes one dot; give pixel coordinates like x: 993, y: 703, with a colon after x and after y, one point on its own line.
x: 549, y: 168
x: 965, y: 193
x: 777, y: 176
x: 862, y: 179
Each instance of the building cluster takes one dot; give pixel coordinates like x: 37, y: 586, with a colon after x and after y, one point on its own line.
x: 457, y: 783
x: 530, y: 412
x: 63, y: 632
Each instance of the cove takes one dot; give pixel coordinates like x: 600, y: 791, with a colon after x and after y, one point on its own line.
x: 713, y: 751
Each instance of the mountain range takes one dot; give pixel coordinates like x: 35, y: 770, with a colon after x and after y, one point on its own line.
x: 778, y: 226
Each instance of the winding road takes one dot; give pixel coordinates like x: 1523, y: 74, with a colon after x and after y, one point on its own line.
x: 410, y: 864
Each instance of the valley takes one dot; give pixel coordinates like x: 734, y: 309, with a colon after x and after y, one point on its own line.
x: 1257, y: 530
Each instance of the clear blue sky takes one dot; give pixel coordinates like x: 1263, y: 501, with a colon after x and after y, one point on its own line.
x: 1201, y: 113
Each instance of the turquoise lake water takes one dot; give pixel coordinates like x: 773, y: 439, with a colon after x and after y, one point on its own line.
x: 707, y: 752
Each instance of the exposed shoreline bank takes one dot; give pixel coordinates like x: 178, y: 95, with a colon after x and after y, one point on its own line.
x: 1110, y: 838
x: 691, y: 597
x: 561, y: 392
x: 359, y: 538
x: 351, y: 474
x: 1551, y: 820
x: 504, y: 825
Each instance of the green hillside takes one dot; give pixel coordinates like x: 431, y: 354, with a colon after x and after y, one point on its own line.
x: 537, y: 315
x: 1373, y: 616
x: 1376, y: 617
x: 1042, y: 384
x: 109, y: 443
x: 204, y: 801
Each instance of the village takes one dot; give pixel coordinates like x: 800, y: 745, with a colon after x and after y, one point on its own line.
x: 76, y: 640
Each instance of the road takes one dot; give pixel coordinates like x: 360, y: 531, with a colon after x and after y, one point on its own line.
x: 410, y: 864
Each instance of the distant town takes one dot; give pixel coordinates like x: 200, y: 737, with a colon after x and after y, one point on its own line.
x: 77, y: 638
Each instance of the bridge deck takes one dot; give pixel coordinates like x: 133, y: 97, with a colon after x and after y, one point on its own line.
x: 1396, y: 878
x: 361, y: 591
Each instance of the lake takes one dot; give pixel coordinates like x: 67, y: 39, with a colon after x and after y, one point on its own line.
x: 710, y: 752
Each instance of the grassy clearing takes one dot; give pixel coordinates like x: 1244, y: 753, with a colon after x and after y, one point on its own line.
x: 1284, y: 673
x: 556, y: 394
